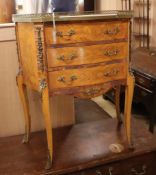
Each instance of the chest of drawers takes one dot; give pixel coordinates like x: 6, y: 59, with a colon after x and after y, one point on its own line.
x: 83, y: 55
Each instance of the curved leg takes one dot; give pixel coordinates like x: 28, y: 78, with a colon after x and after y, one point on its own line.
x: 24, y: 99
x: 48, y: 125
x: 117, y: 104
x: 128, y: 105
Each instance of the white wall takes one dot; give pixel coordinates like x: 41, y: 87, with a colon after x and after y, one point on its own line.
x: 153, y: 39
x: 107, y: 4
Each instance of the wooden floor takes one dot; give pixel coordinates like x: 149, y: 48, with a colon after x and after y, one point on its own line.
x: 77, y: 147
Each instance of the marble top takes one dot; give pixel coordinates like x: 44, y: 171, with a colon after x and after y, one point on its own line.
x: 72, y: 16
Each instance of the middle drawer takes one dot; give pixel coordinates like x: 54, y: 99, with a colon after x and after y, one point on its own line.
x: 87, y: 76
x: 86, y: 54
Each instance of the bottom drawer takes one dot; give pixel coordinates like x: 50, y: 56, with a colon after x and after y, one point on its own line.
x: 141, y: 165
x: 86, y: 76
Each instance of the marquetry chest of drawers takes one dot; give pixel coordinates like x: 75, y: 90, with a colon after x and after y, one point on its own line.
x: 83, y: 55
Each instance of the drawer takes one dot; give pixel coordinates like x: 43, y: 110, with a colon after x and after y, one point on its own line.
x: 142, y: 92
x: 104, y: 170
x: 142, y: 165
x: 86, y: 54
x: 86, y: 32
x: 86, y: 76
x: 144, y: 81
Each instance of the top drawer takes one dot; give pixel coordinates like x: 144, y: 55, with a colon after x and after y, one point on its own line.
x: 86, y: 32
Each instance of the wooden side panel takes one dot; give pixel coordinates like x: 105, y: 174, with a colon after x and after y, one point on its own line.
x: 86, y: 32
x: 86, y: 54
x: 28, y: 54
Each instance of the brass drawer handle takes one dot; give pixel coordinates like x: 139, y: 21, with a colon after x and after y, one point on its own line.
x: 69, y: 33
x: 141, y: 173
x: 70, y: 58
x: 62, y: 79
x: 111, y: 53
x: 111, y: 73
x: 141, y: 80
x: 92, y: 91
x: 111, y: 32
x: 143, y: 93
x: 100, y: 173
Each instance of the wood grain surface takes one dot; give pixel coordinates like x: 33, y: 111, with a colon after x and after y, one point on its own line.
x: 86, y: 31
x: 86, y: 76
x: 28, y: 54
x: 78, y: 55
x: 75, y: 151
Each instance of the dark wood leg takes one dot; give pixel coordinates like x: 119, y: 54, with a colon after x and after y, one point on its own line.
x: 153, y: 113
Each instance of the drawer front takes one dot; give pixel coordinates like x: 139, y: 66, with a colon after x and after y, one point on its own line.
x: 142, y: 92
x: 101, y: 171
x: 86, y: 54
x: 86, y: 76
x: 86, y: 32
x: 144, y: 81
x: 142, y: 165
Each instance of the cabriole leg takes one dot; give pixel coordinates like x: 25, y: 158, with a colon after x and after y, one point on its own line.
x: 24, y: 99
x: 128, y: 105
x: 48, y: 125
